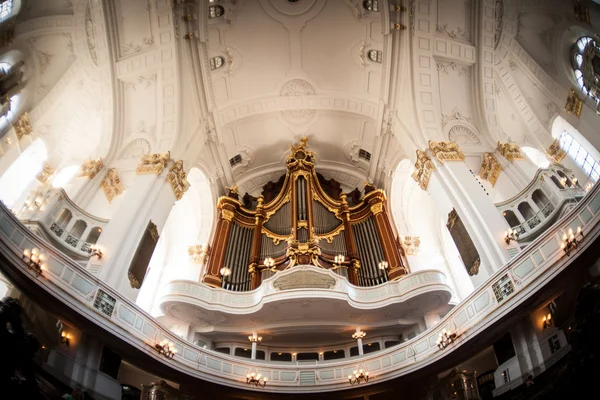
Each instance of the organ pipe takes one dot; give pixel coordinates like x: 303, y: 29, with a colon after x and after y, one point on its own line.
x: 300, y: 225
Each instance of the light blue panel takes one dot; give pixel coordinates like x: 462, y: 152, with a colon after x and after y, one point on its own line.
x: 550, y: 247
x: 538, y: 258
x: 227, y: 368
x: 585, y: 215
x: 17, y: 238
x: 386, y: 362
x: 461, y: 318
x: 470, y: 311
x: 83, y: 285
x: 190, y: 355
x: 421, y: 346
x: 138, y: 323
x: 265, y: 373
x: 404, y: 285
x: 6, y: 227
x: 427, y: 277
x: 54, y: 266
x: 524, y: 268
x: 237, y: 300
x: 127, y: 315
x: 595, y: 204
x: 432, y: 340
x: 213, y: 364
x: 275, y: 375
x: 204, y: 293
x: 575, y: 223
x: 399, y: 357
x: 287, y: 376
x: 437, y: 278
x: 240, y: 371
x: 181, y: 287
x: 373, y: 365
x: 410, y: 352
x: 482, y: 302
x: 148, y: 329
x: 348, y: 371
x: 195, y: 290
x: 326, y: 374
x: 371, y: 295
x: 338, y: 373
x: 179, y: 348
x: 67, y: 275
x: 414, y: 281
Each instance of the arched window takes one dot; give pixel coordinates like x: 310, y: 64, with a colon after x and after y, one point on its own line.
x: 64, y: 218
x: 540, y: 199
x: 579, y: 155
x: 586, y: 66
x: 78, y: 228
x: 371, y: 5
x: 6, y: 8
x: 216, y: 62
x: 215, y: 11
x: 20, y: 175
x: 375, y: 55
x: 93, y: 236
x: 526, y: 210
x: 511, y: 218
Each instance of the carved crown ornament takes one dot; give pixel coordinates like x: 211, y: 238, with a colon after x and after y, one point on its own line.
x: 90, y: 168
x: 410, y: 244
x: 111, y: 185
x: 446, y: 151
x: 178, y: 179
x: 574, y: 103
x: 490, y: 168
x: 45, y: 173
x: 555, y: 153
x: 510, y: 151
x: 423, y: 169
x: 199, y: 253
x: 153, y: 163
x: 22, y: 126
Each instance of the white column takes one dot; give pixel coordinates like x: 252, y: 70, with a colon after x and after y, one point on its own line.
x: 253, y: 354
x: 454, y: 186
x: 149, y: 198
x: 359, y: 343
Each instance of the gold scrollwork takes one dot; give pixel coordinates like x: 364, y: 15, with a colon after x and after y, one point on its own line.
x: 423, y: 169
x: 446, y: 151
x: 133, y: 282
x: 376, y: 208
x: 45, y: 173
x: 227, y: 215
x: 490, y: 168
x: 199, y: 253
x: 269, y: 214
x: 178, y: 179
x: 22, y: 126
x: 329, y: 236
x: 153, y: 163
x: 574, y: 103
x: 555, y: 153
x: 410, y: 244
x: 510, y: 151
x: 111, y: 185
x: 90, y: 168
x: 276, y: 238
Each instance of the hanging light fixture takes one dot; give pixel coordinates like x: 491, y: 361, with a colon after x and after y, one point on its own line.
x: 35, y: 260
x: 358, y: 376
x: 511, y: 234
x: 571, y: 240
x: 256, y: 379
x: 445, y: 338
x: 95, y: 251
x: 255, y: 339
x: 166, y: 348
x: 359, y: 335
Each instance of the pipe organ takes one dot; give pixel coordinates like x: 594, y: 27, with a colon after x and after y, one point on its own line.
x: 303, y: 224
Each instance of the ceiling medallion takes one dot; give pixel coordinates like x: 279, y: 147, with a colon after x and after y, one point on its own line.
x: 297, y: 88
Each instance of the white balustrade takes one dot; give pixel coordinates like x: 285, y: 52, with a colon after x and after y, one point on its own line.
x: 503, y: 292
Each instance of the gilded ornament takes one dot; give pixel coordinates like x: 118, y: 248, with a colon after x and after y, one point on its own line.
x: 227, y: 215
x: 22, y: 126
x: 423, y: 169
x: 199, y: 253
x: 111, y: 185
x: 510, y: 151
x: 178, y: 179
x: 133, y: 282
x: 45, y: 173
x: 490, y: 168
x: 574, y: 103
x: 410, y: 244
x: 555, y: 153
x: 153, y: 163
x: 446, y: 151
x: 90, y: 168
x: 376, y: 208
x: 153, y: 229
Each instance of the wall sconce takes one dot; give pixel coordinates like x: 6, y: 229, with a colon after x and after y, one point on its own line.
x: 359, y: 335
x: 64, y: 338
x: 225, y: 271
x: 398, y: 27
x: 166, y: 348
x: 445, y: 338
x: 35, y: 260
x: 571, y: 241
x: 95, y: 251
x: 547, y: 321
x: 382, y: 265
x: 256, y: 379
x: 338, y: 261
x: 358, y: 376
x: 255, y: 339
x: 270, y: 264
x: 511, y: 234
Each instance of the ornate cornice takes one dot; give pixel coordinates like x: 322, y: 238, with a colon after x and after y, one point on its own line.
x: 178, y: 179
x: 555, y: 153
x: 90, y: 168
x: 111, y: 185
x: 153, y: 163
x: 423, y: 168
x: 510, y: 151
x: 490, y: 168
x: 446, y: 151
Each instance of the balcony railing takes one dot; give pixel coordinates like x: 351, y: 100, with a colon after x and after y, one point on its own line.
x: 498, y: 296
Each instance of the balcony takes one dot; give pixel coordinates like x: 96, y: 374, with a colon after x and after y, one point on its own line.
x: 54, y: 216
x: 550, y: 195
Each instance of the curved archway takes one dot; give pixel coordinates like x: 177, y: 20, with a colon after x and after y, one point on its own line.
x: 20, y: 176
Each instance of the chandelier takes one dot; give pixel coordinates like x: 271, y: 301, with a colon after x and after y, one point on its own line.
x: 255, y: 339
x: 359, y: 335
x: 95, y: 251
x: 166, y: 348
x: 570, y: 240
x: 358, y: 376
x: 35, y: 260
x: 256, y: 379
x: 511, y: 234
x: 445, y: 338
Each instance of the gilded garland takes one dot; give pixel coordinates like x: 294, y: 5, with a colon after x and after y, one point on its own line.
x: 153, y: 163
x: 490, y: 168
x: 446, y: 151
x: 22, y: 126
x: 45, y: 173
x: 90, y: 168
x: 111, y: 185
x: 178, y: 179
x: 510, y: 151
x: 423, y: 169
x: 555, y: 153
